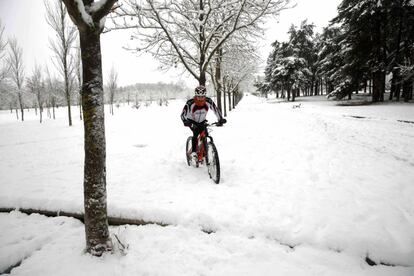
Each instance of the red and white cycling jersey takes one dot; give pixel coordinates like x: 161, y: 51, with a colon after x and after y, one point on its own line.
x: 198, y: 114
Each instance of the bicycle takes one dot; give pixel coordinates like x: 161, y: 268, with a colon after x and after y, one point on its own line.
x: 206, y: 153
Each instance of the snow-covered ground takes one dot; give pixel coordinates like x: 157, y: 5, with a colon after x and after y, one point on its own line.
x: 313, y: 190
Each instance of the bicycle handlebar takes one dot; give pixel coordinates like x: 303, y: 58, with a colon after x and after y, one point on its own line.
x: 214, y: 124
x: 206, y: 124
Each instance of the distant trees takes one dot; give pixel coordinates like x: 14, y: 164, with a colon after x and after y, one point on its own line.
x: 37, y: 86
x: 291, y: 66
x: 51, y: 93
x: 112, y: 87
x: 3, y: 45
x: 331, y: 59
x: 236, y: 61
x: 366, y: 42
x: 3, y: 68
x: 15, y: 64
x: 89, y: 17
x: 57, y: 18
x: 145, y: 92
x: 191, y: 32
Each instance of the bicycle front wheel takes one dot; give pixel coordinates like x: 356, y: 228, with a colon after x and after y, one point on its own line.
x: 188, y: 149
x: 213, y: 163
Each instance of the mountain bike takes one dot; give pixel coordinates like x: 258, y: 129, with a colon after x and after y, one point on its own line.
x: 206, y: 153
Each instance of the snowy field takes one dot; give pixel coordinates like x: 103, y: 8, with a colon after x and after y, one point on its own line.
x: 315, y: 190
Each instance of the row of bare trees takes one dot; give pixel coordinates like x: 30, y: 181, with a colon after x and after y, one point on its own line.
x: 66, y: 59
x: 213, y: 37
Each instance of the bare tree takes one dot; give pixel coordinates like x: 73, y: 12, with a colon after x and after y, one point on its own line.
x: 51, y: 87
x: 236, y: 60
x: 112, y: 86
x: 78, y: 72
x: 239, y: 63
x: 15, y: 63
x: 3, y: 68
x: 57, y: 18
x: 190, y: 32
x: 37, y: 87
x: 89, y: 17
x: 3, y: 45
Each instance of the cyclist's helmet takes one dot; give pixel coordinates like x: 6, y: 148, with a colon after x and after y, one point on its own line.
x: 200, y: 91
x: 200, y: 95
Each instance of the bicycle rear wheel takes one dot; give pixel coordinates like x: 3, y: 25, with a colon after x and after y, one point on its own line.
x: 213, y: 162
x: 188, y: 149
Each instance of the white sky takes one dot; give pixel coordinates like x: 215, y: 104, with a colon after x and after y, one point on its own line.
x: 25, y: 20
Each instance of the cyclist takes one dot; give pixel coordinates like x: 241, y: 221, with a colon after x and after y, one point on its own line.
x: 195, y: 112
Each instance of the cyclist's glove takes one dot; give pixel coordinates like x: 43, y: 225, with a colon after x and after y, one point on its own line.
x: 221, y: 122
x: 187, y: 123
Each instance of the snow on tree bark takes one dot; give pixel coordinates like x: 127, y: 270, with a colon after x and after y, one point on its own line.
x: 96, y: 224
x: 88, y: 18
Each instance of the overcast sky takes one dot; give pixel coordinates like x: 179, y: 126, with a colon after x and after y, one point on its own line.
x: 25, y: 19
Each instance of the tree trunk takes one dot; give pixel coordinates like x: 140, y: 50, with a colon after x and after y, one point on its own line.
x: 376, y: 86
x: 96, y: 221
x: 370, y: 86
x: 382, y: 91
x: 395, y: 84
x: 229, y: 97
x: 67, y: 92
x: 321, y: 82
x: 384, y: 20
x: 288, y: 92
x: 80, y: 105
x: 380, y: 57
x: 217, y: 77
x: 407, y: 90
x: 396, y: 73
x: 41, y: 116
x: 53, y: 104
x: 40, y: 106
x: 224, y: 101
x: 202, y: 80
x: 21, y: 104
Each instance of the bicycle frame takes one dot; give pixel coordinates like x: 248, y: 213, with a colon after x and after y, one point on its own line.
x: 202, y: 141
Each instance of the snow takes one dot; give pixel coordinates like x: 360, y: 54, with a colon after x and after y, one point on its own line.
x: 85, y: 16
x: 304, y: 191
x: 96, y: 6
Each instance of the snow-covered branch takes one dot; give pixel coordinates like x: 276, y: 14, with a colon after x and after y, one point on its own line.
x: 193, y: 29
